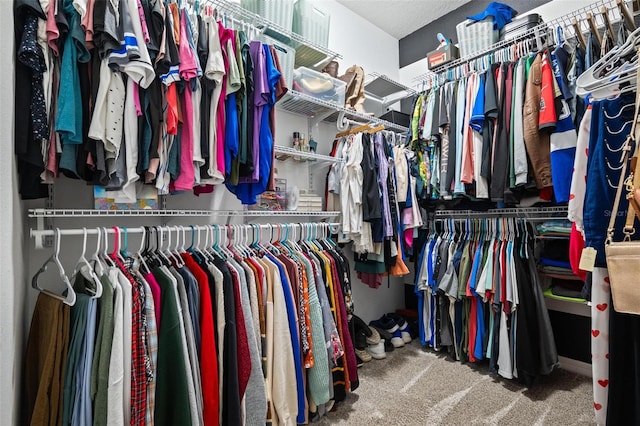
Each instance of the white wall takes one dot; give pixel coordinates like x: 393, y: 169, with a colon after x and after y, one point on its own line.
x: 12, y: 335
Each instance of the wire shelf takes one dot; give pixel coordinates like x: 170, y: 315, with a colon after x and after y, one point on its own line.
x: 544, y: 29
x: 382, y: 86
x: 303, y: 104
x: 286, y: 152
x: 308, y: 53
x: 89, y: 213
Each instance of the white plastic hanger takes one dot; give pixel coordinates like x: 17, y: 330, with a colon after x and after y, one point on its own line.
x: 70, y: 297
x: 84, y: 267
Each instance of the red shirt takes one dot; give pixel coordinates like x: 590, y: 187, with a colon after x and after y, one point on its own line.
x: 208, y: 357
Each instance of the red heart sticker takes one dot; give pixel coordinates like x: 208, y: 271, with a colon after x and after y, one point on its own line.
x: 604, y: 383
x: 597, y: 406
x: 602, y: 306
x: 586, y: 151
x: 572, y: 196
x: 607, y: 356
x: 595, y: 333
x: 606, y: 280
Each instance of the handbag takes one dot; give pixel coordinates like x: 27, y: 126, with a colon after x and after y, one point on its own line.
x: 623, y: 257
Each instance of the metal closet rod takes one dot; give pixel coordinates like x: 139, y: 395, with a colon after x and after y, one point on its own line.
x: 39, y: 235
x: 546, y: 213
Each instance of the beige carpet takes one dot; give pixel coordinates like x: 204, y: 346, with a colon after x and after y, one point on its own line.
x: 415, y: 386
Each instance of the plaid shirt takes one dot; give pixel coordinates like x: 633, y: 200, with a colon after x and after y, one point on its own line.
x: 139, y: 358
x: 152, y: 347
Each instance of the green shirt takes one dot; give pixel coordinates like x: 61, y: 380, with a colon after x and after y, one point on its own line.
x: 172, y: 392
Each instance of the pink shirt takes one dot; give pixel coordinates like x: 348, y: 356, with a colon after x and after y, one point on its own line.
x: 225, y: 35
x: 87, y: 24
x: 188, y: 70
x: 52, y: 29
x: 467, y: 136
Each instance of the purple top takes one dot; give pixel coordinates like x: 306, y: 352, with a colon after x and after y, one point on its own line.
x: 383, y: 175
x: 260, y: 99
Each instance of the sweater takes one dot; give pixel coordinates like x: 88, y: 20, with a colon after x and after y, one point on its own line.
x: 172, y: 399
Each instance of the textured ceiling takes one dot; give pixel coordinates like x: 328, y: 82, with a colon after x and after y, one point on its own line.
x: 401, y: 17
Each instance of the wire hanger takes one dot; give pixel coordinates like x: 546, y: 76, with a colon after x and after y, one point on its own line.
x: 70, y: 297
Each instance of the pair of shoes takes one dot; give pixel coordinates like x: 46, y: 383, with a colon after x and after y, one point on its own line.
x: 377, y: 351
x: 363, y: 355
x: 391, y: 327
x: 403, y: 325
x: 362, y: 329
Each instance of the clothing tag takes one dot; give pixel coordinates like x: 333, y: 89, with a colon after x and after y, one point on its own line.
x: 588, y: 259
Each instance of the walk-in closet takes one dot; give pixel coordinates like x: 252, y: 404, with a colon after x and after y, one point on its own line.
x: 332, y: 212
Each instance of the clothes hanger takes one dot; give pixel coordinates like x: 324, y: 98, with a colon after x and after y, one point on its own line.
x: 84, y: 267
x: 98, y: 265
x: 628, y: 18
x: 70, y: 297
x: 607, y: 22
x: 139, y: 254
x: 617, y: 65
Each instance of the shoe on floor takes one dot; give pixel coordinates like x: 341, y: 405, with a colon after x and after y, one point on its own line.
x: 403, y: 325
x: 374, y: 339
x: 363, y: 355
x: 377, y: 351
x: 388, y: 346
x: 390, y: 326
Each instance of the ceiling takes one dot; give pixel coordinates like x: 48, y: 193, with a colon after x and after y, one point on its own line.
x: 401, y: 17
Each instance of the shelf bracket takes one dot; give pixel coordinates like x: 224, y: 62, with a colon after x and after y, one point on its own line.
x: 317, y: 119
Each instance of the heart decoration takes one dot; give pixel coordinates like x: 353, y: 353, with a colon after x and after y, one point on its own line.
x: 607, y: 356
x: 604, y: 383
x: 572, y: 196
x: 597, y: 406
x: 602, y: 306
x: 595, y: 333
x: 606, y: 280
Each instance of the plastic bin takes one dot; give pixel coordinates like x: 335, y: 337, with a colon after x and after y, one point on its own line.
x: 311, y: 23
x: 475, y: 35
x: 319, y: 85
x: 280, y: 12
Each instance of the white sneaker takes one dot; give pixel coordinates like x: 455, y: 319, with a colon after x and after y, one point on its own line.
x: 377, y: 351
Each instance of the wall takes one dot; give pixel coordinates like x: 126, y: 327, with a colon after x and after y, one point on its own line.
x: 12, y: 335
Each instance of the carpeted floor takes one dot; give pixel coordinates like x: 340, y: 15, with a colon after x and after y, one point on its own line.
x: 415, y: 386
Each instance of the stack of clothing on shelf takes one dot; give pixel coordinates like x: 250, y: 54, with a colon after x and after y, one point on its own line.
x: 214, y: 336
x: 374, y: 192
x: 124, y: 93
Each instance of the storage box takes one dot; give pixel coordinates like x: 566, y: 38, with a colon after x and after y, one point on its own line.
x: 476, y: 35
x: 309, y: 202
x: 280, y: 12
x: 442, y: 55
x: 311, y: 23
x: 272, y: 200
x: 319, y: 85
x: 397, y: 117
x: 519, y: 26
